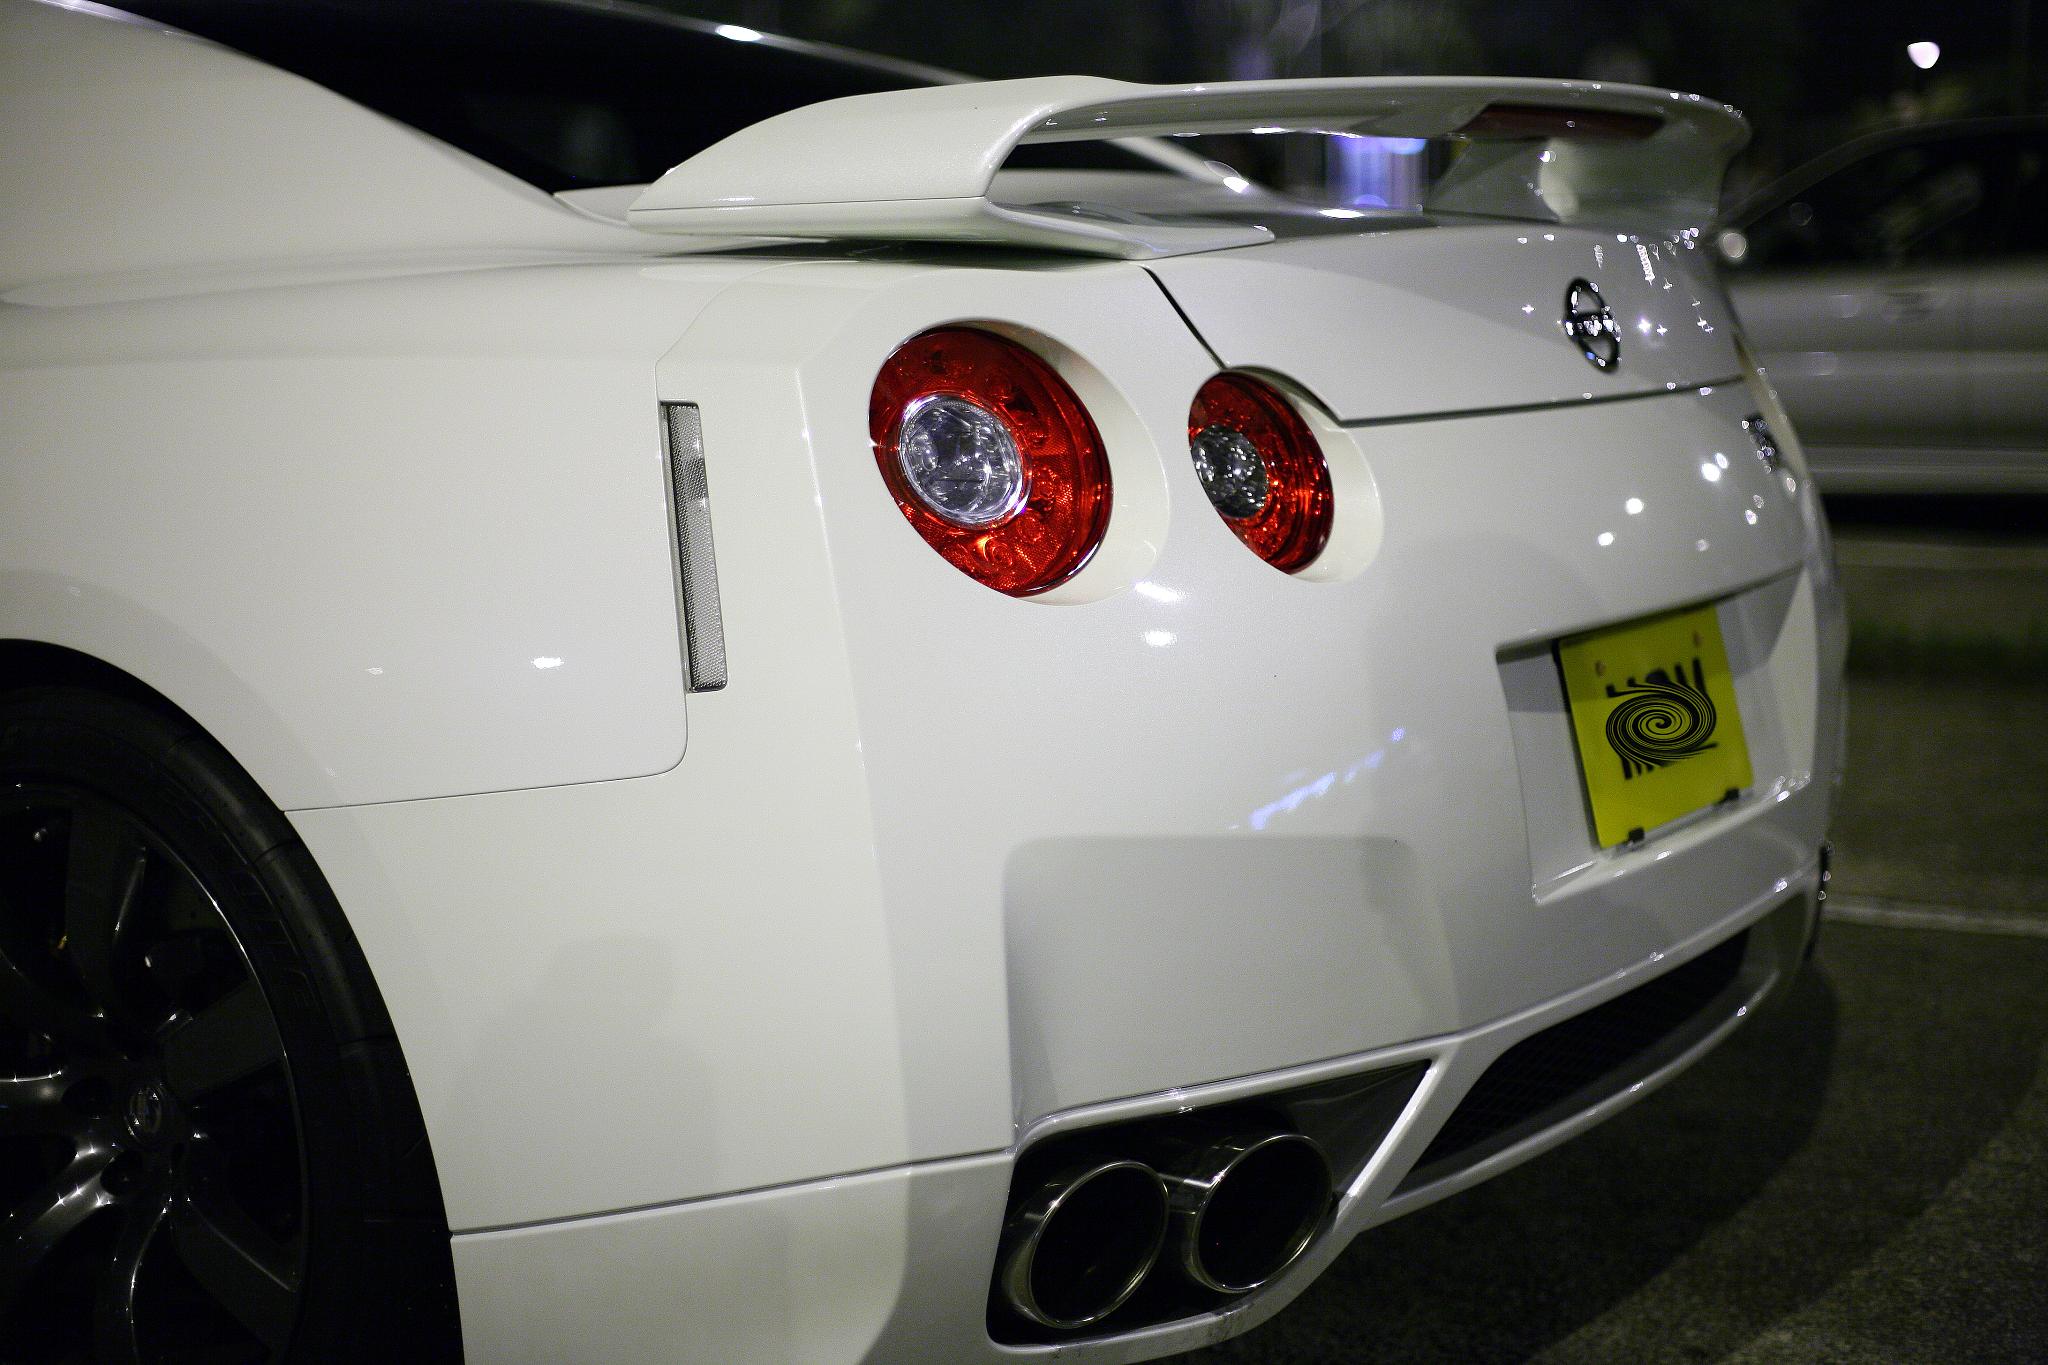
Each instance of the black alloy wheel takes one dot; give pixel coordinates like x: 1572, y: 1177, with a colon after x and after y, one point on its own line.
x: 209, y: 1148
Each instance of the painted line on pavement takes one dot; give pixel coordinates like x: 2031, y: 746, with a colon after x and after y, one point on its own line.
x: 1854, y: 552
x: 1892, y: 914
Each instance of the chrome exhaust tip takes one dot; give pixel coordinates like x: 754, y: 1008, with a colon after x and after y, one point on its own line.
x: 1082, y: 1243
x: 1245, y: 1206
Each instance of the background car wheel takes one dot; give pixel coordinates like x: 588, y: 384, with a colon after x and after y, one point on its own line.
x: 209, y: 1145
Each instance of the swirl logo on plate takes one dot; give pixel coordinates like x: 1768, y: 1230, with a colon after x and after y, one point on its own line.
x: 1660, y: 720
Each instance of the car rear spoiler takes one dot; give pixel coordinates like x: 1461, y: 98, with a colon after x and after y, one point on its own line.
x: 919, y: 164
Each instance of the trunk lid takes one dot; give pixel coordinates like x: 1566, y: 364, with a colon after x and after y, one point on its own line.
x: 1460, y: 317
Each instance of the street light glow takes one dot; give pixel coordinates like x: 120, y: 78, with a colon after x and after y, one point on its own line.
x: 1924, y: 55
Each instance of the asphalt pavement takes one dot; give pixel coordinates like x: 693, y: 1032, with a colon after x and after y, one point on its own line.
x: 1860, y: 1175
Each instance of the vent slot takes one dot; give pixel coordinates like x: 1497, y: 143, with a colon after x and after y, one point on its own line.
x: 696, y: 567
x: 1544, y: 1079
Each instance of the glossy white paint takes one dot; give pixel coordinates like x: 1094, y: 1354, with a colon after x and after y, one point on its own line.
x: 730, y: 1056
x: 659, y: 1285
x: 1432, y: 322
x: 865, y: 1267
x: 429, y: 511
x: 954, y: 878
x: 921, y: 163
x: 172, y: 153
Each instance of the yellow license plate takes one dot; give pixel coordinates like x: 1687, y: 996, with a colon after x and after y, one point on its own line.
x: 1653, y: 707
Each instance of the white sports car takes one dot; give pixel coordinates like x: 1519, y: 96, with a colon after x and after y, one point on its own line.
x: 842, y: 752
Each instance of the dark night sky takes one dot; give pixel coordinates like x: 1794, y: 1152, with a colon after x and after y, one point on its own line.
x: 1808, y: 72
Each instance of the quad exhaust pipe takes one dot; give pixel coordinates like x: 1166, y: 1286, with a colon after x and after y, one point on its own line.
x: 1243, y: 1205
x: 1082, y: 1242
x: 1238, y: 1206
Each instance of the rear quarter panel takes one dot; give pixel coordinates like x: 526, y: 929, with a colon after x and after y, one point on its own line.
x: 387, y: 538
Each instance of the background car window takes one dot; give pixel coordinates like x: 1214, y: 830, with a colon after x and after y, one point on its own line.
x: 1923, y: 202
x: 2026, y: 214
x: 564, y: 96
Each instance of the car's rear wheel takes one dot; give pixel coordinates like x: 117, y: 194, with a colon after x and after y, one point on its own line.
x: 209, y: 1146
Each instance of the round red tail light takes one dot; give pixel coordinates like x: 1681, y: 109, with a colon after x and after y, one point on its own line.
x: 1262, y: 469
x: 992, y: 457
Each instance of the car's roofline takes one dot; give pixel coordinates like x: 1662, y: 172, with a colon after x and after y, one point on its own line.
x: 1158, y: 151
x: 851, y: 56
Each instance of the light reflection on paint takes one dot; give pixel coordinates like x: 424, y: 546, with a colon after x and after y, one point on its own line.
x: 1293, y: 801
x: 1320, y: 785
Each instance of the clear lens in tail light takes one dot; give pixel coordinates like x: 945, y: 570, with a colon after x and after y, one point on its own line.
x: 1262, y: 469
x: 1231, y: 470
x: 991, y: 457
x: 960, y: 461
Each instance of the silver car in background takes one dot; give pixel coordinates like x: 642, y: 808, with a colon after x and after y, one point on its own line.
x: 1896, y: 290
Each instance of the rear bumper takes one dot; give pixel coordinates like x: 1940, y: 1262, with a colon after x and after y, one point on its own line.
x: 894, y: 1264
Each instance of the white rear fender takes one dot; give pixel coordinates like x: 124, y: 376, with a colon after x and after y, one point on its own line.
x: 729, y: 965
x: 385, y: 538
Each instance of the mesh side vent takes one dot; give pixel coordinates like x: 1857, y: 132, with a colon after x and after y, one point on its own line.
x: 690, y: 494
x: 1570, y: 1065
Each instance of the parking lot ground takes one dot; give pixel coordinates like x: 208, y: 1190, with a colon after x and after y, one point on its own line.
x: 1859, y: 1175
x: 1945, y: 802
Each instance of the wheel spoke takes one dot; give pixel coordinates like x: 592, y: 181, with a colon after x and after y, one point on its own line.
x: 244, y: 1269
x: 34, y: 1104
x: 48, y: 1215
x: 104, y: 867
x: 229, y: 1039
x: 39, y: 1009
x: 113, y: 1316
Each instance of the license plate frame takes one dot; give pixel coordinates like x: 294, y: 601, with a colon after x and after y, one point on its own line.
x: 1655, y: 721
